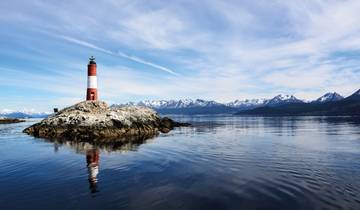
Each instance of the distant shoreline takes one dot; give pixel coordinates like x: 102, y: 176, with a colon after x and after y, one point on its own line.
x: 10, y: 120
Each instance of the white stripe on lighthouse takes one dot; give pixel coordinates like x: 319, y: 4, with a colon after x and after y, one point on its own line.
x: 92, y: 82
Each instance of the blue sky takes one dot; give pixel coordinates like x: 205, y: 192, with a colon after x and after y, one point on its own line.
x: 218, y: 50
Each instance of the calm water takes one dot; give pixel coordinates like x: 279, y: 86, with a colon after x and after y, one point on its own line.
x: 222, y: 162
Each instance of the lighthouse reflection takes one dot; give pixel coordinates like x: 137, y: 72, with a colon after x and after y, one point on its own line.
x: 92, y: 161
x: 92, y: 150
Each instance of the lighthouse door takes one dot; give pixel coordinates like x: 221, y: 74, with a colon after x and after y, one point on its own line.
x: 92, y: 96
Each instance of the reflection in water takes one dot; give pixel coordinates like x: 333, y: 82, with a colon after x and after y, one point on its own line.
x: 92, y: 152
x: 92, y: 160
x: 114, y: 145
x: 279, y: 126
x: 56, y: 147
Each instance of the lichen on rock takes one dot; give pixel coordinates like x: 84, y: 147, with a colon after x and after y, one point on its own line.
x: 93, y: 120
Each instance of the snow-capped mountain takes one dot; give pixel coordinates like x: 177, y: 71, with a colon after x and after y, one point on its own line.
x: 198, y: 103
x: 199, y: 106
x: 357, y: 92
x: 155, y: 104
x: 329, y: 97
x: 354, y: 96
x: 185, y: 106
x: 248, y: 103
x: 177, y: 104
x: 282, y: 99
x: 23, y: 114
x: 254, y: 103
x: 335, y: 106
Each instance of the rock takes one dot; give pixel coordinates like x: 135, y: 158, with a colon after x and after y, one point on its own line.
x: 96, y: 121
x: 168, y: 124
x: 10, y: 120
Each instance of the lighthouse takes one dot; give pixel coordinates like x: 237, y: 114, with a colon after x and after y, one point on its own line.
x: 91, y: 93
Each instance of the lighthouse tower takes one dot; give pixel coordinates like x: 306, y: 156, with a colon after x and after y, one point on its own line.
x: 91, y: 94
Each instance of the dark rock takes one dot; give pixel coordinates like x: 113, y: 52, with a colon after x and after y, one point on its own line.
x: 10, y: 120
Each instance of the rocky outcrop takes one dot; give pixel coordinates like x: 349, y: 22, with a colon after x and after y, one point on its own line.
x: 10, y: 120
x: 96, y: 121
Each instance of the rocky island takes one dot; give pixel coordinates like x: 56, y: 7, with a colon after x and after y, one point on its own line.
x: 10, y: 120
x: 96, y: 121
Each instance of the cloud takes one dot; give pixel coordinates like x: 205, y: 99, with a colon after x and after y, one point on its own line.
x: 85, y: 44
x: 139, y: 60
x: 119, y: 53
x: 301, y: 78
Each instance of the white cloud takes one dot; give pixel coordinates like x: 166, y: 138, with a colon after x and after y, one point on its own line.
x: 156, y: 29
x: 119, y: 53
x: 300, y: 78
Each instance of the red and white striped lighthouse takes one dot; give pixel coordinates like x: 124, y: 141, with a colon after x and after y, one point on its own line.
x: 91, y: 93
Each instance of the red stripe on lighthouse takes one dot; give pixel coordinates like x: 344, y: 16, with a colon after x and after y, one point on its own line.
x: 92, y: 70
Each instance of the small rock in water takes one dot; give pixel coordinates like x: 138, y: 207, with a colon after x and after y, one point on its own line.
x: 10, y: 120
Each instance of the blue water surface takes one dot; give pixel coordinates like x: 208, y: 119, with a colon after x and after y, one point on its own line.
x: 221, y: 162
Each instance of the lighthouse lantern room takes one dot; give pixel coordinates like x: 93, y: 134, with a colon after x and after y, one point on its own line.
x: 91, y: 93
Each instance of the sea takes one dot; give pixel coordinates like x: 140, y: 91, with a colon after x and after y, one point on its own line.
x: 220, y: 162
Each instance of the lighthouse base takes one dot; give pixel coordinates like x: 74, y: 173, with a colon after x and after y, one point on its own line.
x: 91, y: 94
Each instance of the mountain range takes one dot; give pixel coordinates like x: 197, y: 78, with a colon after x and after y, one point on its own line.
x: 187, y: 106
x: 332, y: 105
x: 199, y: 106
x: 23, y: 114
